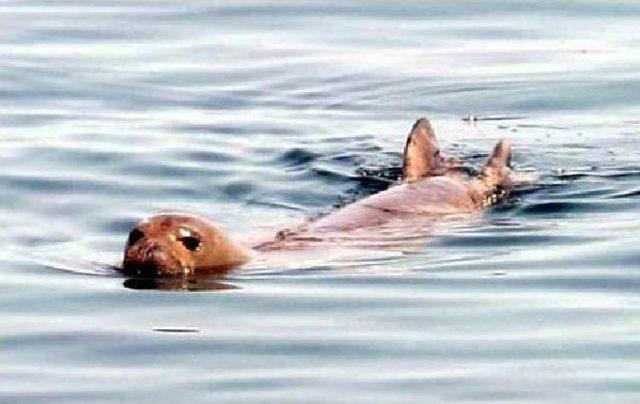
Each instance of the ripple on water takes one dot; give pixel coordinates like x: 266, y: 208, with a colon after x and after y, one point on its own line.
x: 259, y: 114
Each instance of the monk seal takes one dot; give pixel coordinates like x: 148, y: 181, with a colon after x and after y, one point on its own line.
x: 171, y: 245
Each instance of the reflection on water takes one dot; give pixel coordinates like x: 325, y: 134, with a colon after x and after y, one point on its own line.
x: 259, y: 115
x: 179, y: 284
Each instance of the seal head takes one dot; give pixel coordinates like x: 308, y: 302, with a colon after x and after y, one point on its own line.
x: 179, y: 245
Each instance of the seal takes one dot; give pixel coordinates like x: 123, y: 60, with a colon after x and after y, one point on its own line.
x: 171, y: 245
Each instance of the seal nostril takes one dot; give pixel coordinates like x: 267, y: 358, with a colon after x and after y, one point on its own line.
x: 135, y: 236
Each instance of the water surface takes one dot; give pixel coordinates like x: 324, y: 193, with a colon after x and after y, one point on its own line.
x: 262, y: 114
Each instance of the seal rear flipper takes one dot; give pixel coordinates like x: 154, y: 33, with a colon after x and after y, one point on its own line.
x: 494, y: 182
x: 421, y: 152
x: 497, y: 170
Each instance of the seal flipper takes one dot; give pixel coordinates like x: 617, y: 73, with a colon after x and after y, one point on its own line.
x: 497, y: 171
x: 494, y: 181
x: 421, y: 152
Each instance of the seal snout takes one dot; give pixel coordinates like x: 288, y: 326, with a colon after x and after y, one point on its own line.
x: 147, y: 270
x: 155, y: 256
x: 149, y: 258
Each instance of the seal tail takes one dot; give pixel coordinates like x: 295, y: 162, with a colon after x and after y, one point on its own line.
x: 421, y: 152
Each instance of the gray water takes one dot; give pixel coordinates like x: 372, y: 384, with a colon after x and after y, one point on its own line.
x: 260, y: 115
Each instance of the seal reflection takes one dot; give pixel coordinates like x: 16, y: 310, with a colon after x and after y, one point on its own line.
x: 188, y: 284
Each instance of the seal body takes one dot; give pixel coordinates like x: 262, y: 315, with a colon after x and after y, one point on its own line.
x: 434, y: 196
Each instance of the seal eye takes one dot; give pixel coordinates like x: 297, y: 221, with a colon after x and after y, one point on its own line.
x: 135, y: 236
x: 191, y: 243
